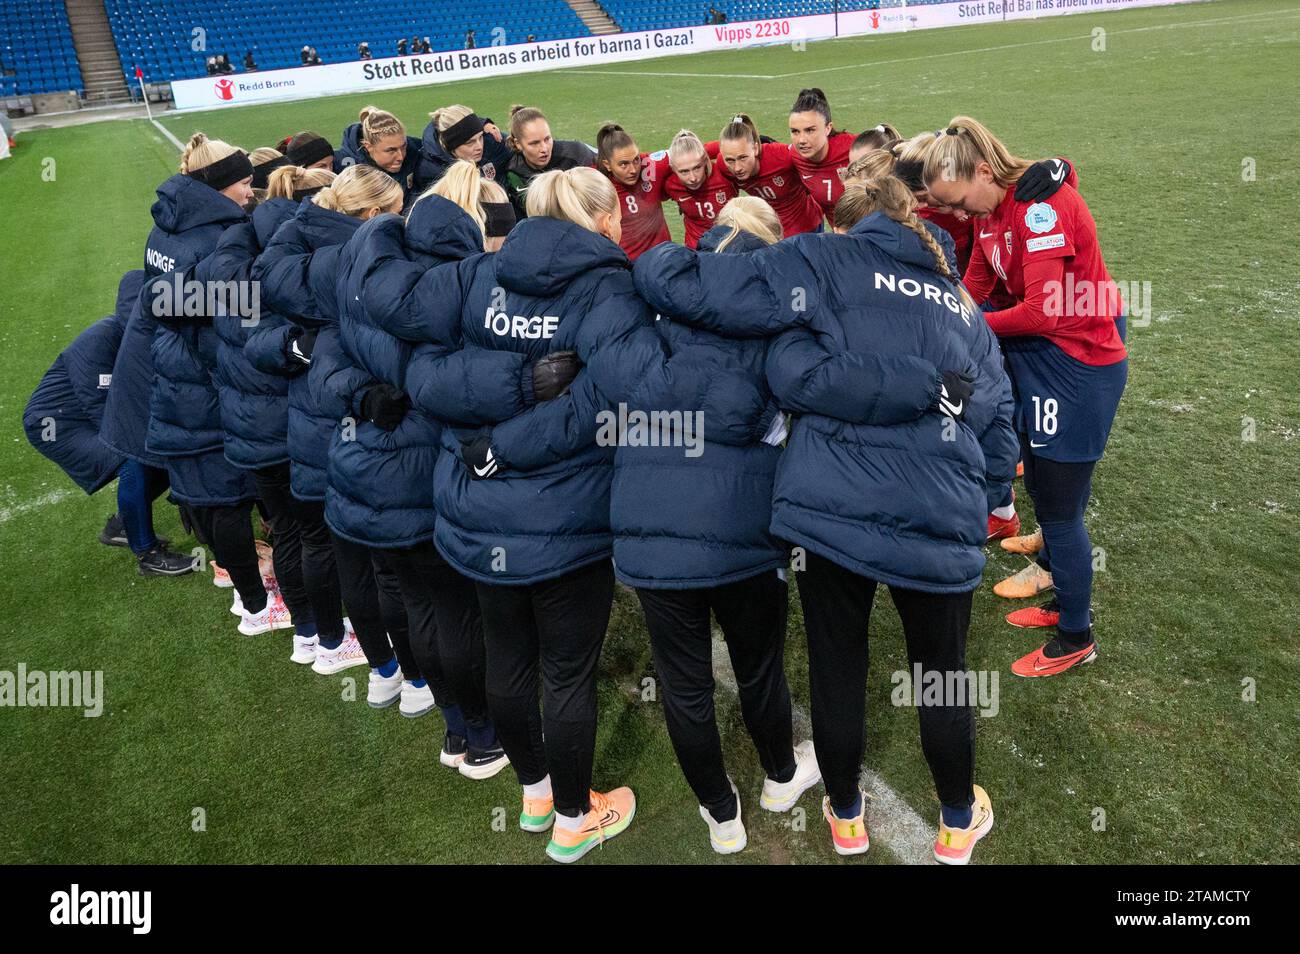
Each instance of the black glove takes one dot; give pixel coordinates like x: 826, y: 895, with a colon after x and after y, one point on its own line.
x: 1042, y: 180
x: 955, y: 390
x: 299, y: 347
x: 385, y: 406
x: 553, y: 374
x: 478, y: 457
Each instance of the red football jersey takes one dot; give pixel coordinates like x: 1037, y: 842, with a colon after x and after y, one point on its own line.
x: 777, y: 181
x: 822, y: 179
x: 1016, y: 233
x: 699, y: 207
x: 644, y: 225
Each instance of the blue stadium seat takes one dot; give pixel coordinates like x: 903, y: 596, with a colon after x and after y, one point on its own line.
x: 36, y: 45
x: 156, y: 35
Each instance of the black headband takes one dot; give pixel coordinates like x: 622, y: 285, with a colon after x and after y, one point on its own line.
x: 910, y: 173
x: 313, y: 150
x: 500, y: 218
x: 300, y: 194
x: 262, y: 171
x: 224, y: 172
x: 459, y: 133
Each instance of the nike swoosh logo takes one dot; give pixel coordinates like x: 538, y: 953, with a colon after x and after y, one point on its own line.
x: 485, y: 469
x: 956, y: 408
x: 1056, y: 663
x: 986, y: 235
x: 807, y: 177
x: 611, y: 817
x: 1032, y: 444
x: 1059, y: 174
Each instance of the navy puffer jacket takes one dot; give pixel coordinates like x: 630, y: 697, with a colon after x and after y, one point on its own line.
x: 254, y: 404
x: 554, y: 286
x: 298, y: 273
x: 126, y: 409
x: 73, y: 392
x: 435, y: 160
x: 381, y: 482
x: 407, y: 176
x: 905, y: 503
x: 189, y: 219
x: 684, y: 521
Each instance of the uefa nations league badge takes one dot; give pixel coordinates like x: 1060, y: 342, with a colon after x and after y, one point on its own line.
x: 1040, y: 218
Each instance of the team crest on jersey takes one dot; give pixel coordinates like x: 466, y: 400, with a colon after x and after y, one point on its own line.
x: 489, y: 171
x: 1006, y: 237
x: 646, y: 185
x: 1040, y: 218
x: 721, y: 197
x: 778, y: 181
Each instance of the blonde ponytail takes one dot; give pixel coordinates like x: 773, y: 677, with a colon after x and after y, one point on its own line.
x: 572, y: 195
x: 749, y: 213
x: 464, y: 185
x: 964, y: 144
x: 287, y: 180
x: 201, y: 151
x: 358, y: 189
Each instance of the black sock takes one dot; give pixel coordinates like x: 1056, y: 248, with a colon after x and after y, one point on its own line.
x: 1067, y: 642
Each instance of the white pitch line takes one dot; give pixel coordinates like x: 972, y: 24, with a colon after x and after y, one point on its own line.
x: 167, y: 132
x: 890, y: 819
x: 1027, y: 43
x: 656, y: 73
x: 17, y: 510
x: 933, y: 56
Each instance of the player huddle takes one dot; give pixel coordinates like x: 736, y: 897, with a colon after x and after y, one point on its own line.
x: 866, y: 327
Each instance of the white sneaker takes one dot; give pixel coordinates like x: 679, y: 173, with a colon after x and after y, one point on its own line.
x: 275, y: 615
x: 330, y: 661
x: 416, y: 700
x: 304, y: 649
x: 726, y: 837
x: 383, y: 690
x: 272, y: 592
x: 781, y: 796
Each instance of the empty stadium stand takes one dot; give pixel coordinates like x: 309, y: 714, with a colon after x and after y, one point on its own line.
x: 36, y: 50
x: 158, y: 35
x: 56, y: 46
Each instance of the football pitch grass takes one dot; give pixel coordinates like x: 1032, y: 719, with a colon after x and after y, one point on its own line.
x: 1178, y: 745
